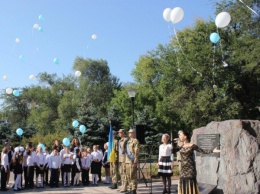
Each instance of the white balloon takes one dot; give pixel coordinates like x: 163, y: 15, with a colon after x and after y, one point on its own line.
x: 36, y: 26
x: 222, y: 19
x: 32, y: 77
x: 167, y: 14
x: 9, y: 90
x: 94, y: 36
x: 225, y: 64
x: 77, y: 73
x: 17, y: 40
x: 5, y: 77
x: 176, y: 15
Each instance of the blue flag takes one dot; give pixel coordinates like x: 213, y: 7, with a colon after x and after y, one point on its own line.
x: 110, y: 142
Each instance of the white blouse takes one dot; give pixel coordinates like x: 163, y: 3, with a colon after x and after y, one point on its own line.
x: 165, y: 150
x: 40, y: 159
x: 67, y: 158
x: 96, y: 156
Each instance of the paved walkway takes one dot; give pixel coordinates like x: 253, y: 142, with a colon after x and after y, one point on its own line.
x: 154, y: 188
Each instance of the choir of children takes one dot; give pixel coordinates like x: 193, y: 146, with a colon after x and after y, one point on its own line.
x: 70, y: 162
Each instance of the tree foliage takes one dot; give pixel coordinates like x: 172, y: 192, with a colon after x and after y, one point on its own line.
x: 182, y: 84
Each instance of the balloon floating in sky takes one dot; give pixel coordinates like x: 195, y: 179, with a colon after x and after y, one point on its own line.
x: 40, y: 29
x: 75, y: 123
x: 167, y: 14
x: 94, y: 36
x: 16, y: 93
x: 77, y: 73
x: 214, y: 37
x: 41, y: 18
x: 223, y: 19
x: 66, y: 141
x: 21, y: 57
x: 19, y: 131
x: 36, y: 26
x: 17, y: 40
x: 32, y: 77
x: 176, y: 15
x: 82, y: 128
x: 56, y: 61
x: 5, y: 77
x: 9, y: 90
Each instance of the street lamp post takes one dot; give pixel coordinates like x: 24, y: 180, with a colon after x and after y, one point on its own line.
x: 131, y: 93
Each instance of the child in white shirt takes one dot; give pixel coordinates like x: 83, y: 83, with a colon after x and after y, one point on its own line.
x: 40, y: 163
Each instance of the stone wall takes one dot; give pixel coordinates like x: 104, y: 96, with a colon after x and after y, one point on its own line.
x: 237, y: 171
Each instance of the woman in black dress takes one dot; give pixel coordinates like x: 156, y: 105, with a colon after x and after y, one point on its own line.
x: 188, y: 183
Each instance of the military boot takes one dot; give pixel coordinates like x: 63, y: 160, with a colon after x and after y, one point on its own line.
x: 123, y: 188
x: 111, y: 185
x: 114, y: 186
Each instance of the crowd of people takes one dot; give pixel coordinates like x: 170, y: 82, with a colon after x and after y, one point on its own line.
x: 75, y: 161
x: 31, y: 166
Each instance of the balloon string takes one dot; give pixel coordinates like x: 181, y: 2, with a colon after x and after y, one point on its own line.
x: 178, y: 63
x: 249, y: 7
x: 170, y: 32
x: 184, y: 53
x: 213, y: 72
x: 220, y: 44
x: 170, y: 35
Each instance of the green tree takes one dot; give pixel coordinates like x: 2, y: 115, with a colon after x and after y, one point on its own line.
x: 188, y: 84
x: 96, y: 133
x: 96, y: 83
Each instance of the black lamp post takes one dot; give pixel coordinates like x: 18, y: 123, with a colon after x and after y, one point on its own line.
x: 131, y: 93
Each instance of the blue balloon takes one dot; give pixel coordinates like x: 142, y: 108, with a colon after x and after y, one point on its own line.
x: 75, y: 123
x: 66, y: 141
x: 16, y: 93
x: 21, y: 57
x: 214, y: 37
x: 56, y: 61
x: 40, y: 29
x: 41, y: 146
x: 82, y: 128
x: 19, y: 131
x: 41, y: 18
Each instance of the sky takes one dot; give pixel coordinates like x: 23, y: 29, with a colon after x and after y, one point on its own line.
x: 124, y: 31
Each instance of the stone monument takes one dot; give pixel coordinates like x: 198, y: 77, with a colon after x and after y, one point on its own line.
x: 237, y: 169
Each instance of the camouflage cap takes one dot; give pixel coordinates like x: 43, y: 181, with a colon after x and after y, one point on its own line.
x: 131, y: 131
x: 114, y: 132
x: 121, y: 131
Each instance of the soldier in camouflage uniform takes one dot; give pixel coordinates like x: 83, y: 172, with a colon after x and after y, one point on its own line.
x: 132, y: 151
x: 122, y: 157
x: 114, y: 165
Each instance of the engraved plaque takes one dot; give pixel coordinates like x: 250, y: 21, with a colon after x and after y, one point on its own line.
x: 208, y: 142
